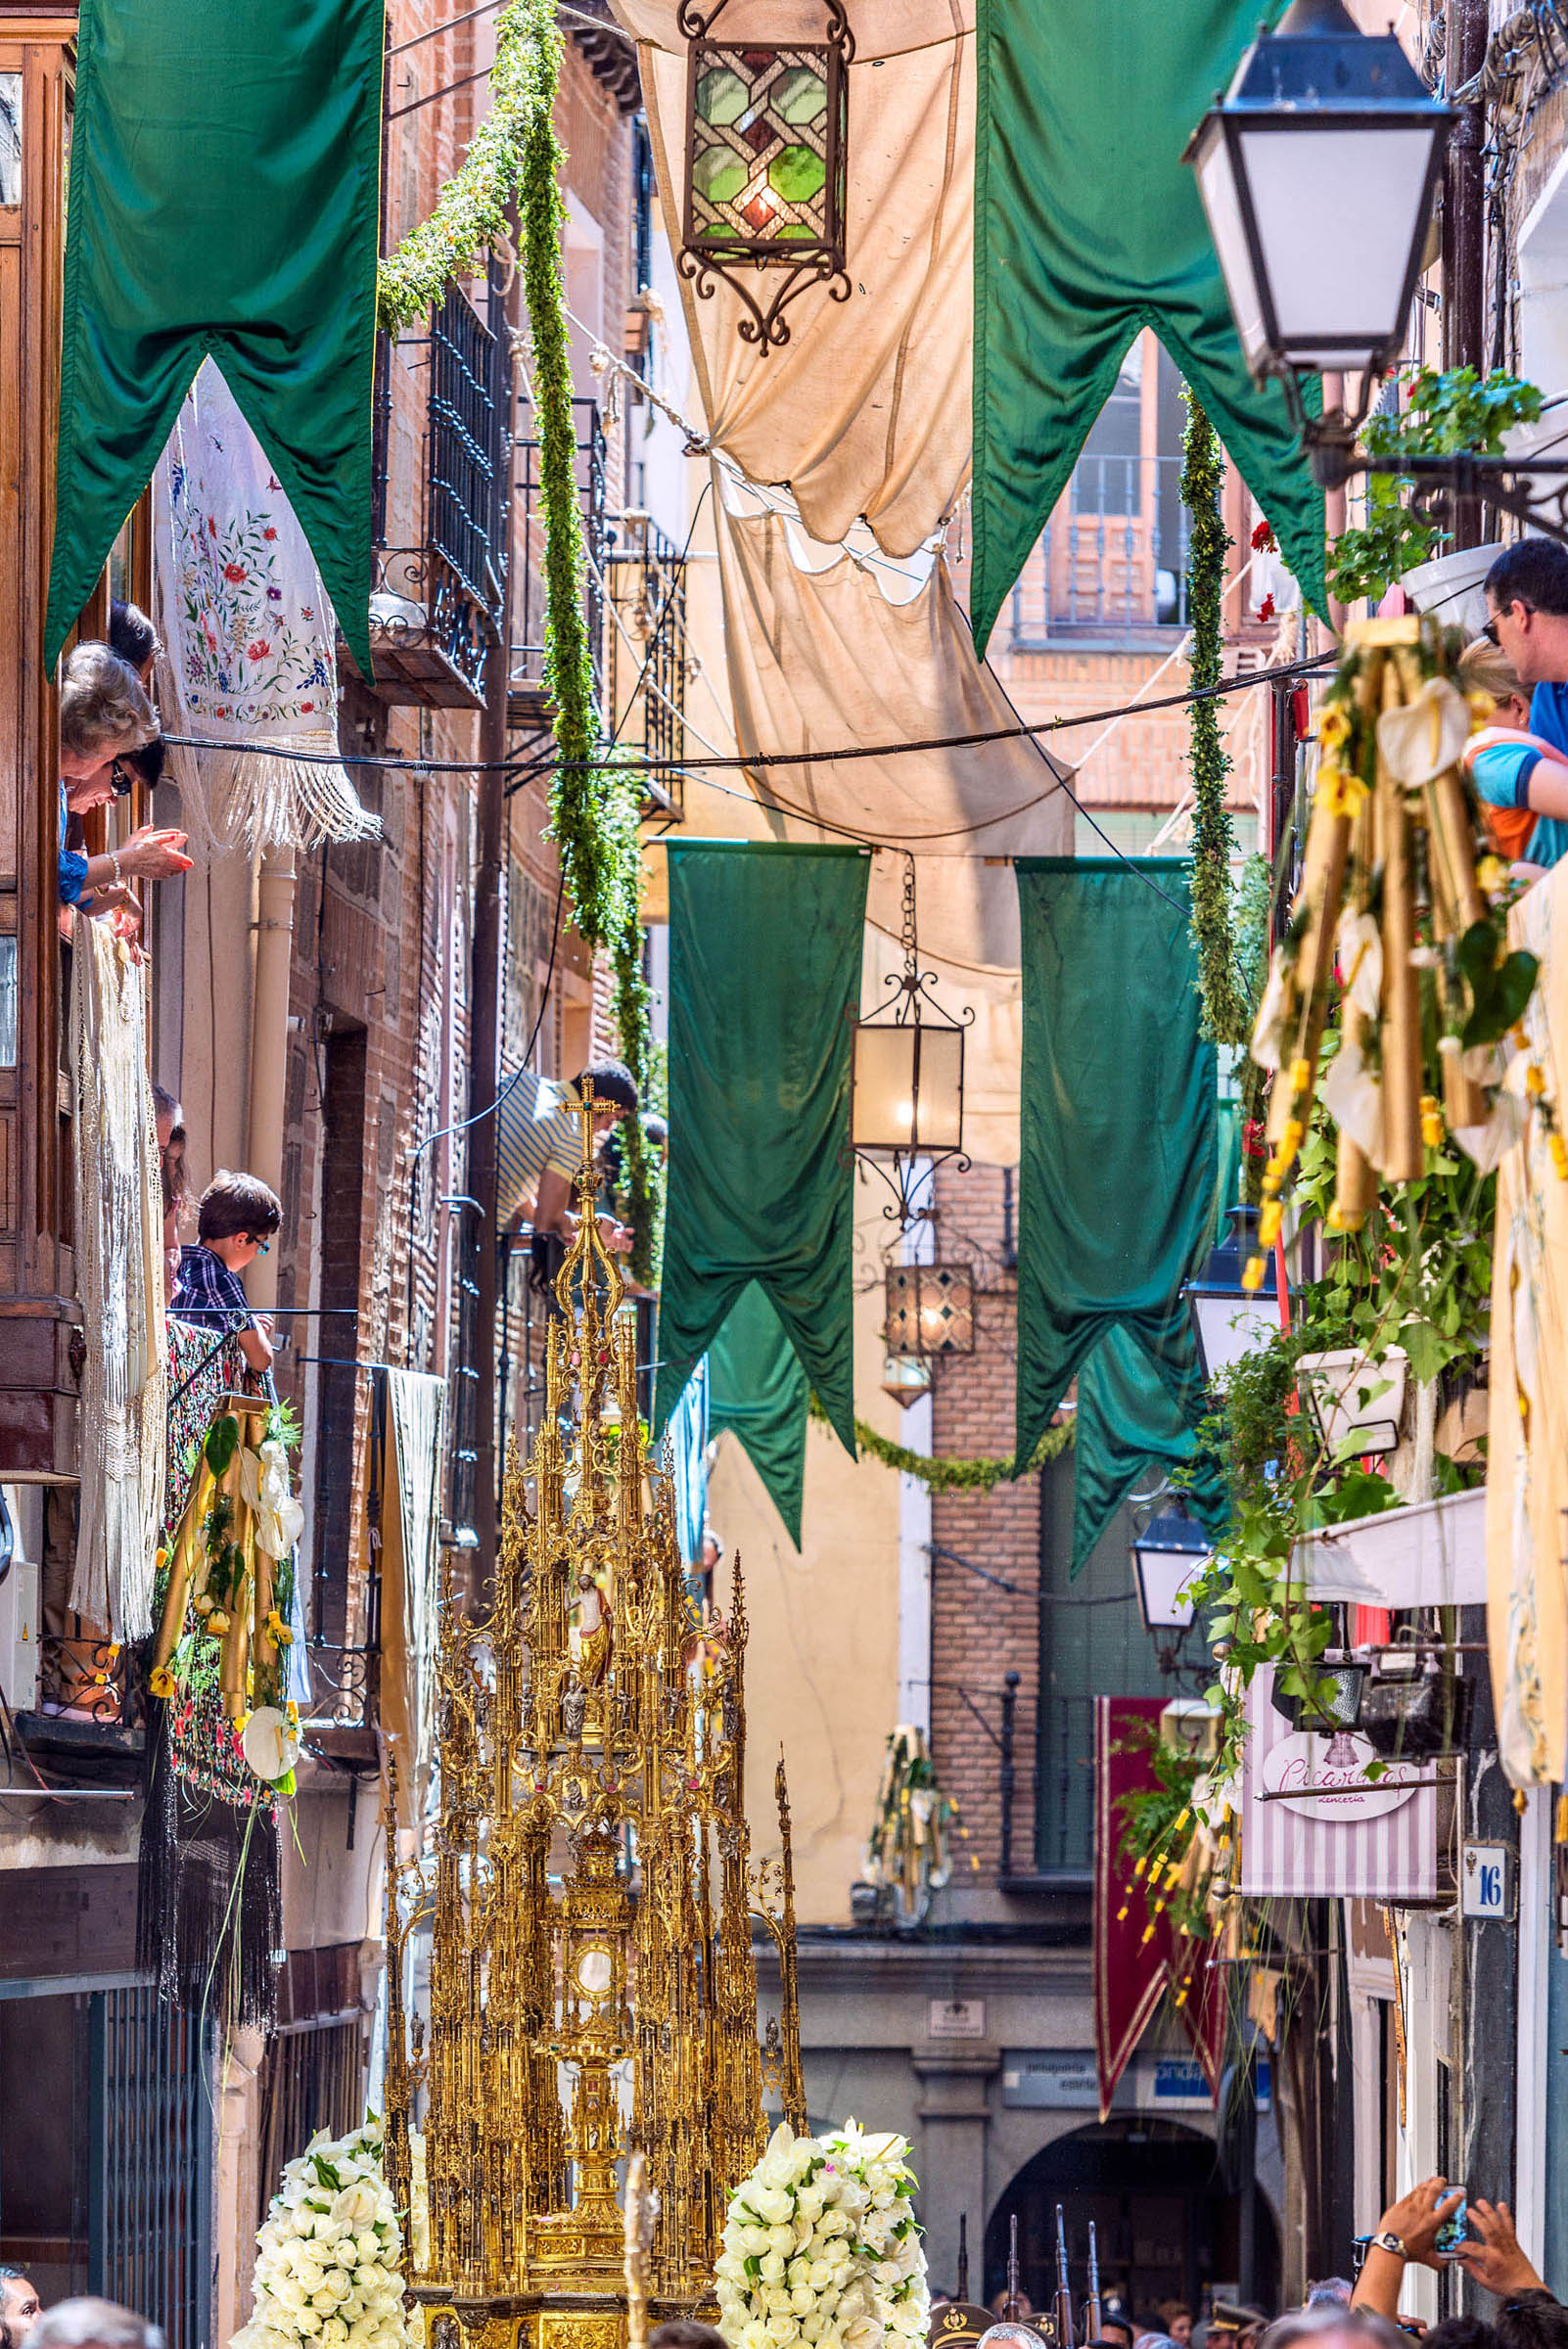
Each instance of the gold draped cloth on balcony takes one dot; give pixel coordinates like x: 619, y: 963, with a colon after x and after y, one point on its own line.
x: 119, y: 1281
x: 1527, y: 1452
x: 865, y: 412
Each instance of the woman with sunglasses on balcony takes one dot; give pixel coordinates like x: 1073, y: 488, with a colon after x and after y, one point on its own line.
x: 105, y: 716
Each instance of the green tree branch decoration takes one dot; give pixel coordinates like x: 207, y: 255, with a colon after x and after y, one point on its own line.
x: 1226, y: 1013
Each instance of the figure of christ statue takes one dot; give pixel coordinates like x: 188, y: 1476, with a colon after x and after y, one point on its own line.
x: 593, y: 1630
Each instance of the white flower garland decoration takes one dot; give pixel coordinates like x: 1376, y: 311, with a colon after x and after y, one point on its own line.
x: 821, y: 2246
x: 330, y: 2253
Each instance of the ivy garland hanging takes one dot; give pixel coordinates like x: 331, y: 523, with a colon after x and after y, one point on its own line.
x: 1226, y: 1013
x: 470, y: 214
x: 594, y: 817
x: 947, y: 1475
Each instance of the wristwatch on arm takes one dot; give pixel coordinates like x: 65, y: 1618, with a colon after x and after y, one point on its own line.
x: 1389, y: 2241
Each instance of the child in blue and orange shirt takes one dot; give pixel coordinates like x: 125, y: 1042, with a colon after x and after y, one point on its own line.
x: 1520, y: 778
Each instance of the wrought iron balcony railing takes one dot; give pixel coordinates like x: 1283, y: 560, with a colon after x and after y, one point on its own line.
x: 526, y: 703
x: 647, y: 651
x: 435, y: 605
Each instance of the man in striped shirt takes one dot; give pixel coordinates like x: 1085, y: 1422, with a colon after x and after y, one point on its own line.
x: 539, y: 1146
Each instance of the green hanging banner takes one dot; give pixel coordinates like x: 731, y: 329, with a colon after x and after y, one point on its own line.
x: 1119, y: 1167
x: 766, y: 944
x: 757, y: 1389
x: 224, y: 199
x: 1087, y: 226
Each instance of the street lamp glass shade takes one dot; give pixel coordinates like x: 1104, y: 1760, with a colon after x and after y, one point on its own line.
x: 1229, y: 1320
x: 1229, y: 1324
x: 909, y: 1087
x: 1317, y: 171
x: 1167, y: 1556
x: 1340, y: 214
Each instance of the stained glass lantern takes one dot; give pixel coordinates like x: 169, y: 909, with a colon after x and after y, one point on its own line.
x: 766, y: 168
x: 930, y: 1310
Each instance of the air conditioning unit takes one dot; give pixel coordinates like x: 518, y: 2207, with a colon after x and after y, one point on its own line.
x: 20, y: 1554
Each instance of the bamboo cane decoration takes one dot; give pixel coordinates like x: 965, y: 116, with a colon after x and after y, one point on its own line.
x: 1354, y: 1175
x: 1400, y: 1021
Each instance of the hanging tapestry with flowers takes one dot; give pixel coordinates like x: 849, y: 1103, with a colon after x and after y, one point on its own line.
x: 248, y: 640
x: 222, y: 1728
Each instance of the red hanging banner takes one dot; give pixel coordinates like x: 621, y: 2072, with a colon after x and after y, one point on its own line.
x: 1137, y: 1955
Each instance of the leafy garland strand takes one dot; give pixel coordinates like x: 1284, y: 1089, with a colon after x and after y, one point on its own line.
x: 594, y: 817
x: 947, y: 1475
x: 470, y: 214
x: 1226, y: 1016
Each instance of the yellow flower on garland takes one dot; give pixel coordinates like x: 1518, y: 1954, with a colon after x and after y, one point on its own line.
x: 163, y: 1683
x: 1334, y: 727
x: 279, y: 1631
x: 1338, y: 793
x: 217, y: 1623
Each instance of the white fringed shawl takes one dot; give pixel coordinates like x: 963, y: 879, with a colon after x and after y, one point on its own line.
x: 248, y: 640
x: 123, y: 1435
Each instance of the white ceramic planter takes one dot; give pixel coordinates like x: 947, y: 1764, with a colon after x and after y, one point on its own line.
x: 1451, y: 587
x: 1345, y: 1405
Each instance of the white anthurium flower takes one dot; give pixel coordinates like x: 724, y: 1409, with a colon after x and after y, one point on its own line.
x: 1421, y: 738
x: 1359, y: 943
x: 1353, y: 1098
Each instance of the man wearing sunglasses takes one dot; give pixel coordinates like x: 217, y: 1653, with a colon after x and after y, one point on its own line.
x: 103, y: 718
x: 1527, y: 597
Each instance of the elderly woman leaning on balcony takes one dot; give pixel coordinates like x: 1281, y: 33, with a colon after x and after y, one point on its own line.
x: 104, y: 716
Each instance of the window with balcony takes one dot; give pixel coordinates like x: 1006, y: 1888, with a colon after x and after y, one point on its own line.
x: 526, y: 701
x: 436, y: 600
x: 1112, y: 563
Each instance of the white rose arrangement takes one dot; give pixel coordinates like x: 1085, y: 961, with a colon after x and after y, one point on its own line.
x: 887, y: 2228
x: 821, y: 2246
x: 330, y: 2252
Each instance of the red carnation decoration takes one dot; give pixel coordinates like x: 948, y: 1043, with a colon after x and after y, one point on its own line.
x: 1266, y: 610
x: 1264, y: 536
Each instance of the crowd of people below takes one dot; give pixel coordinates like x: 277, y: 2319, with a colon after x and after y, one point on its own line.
x: 1424, y: 2227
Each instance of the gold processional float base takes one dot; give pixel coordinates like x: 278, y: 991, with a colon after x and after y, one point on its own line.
x: 589, y: 1893
x: 558, y: 2320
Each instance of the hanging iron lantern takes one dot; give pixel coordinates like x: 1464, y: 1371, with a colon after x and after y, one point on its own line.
x: 766, y: 166
x: 907, y: 1109
x: 930, y: 1310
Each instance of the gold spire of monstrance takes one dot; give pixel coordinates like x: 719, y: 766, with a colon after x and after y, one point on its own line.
x: 592, y: 1988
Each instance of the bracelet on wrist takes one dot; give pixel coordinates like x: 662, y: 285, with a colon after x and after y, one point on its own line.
x: 113, y: 861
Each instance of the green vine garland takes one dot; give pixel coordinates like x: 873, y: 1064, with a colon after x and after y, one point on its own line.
x: 470, y: 214
x: 945, y: 1475
x: 594, y: 817
x: 1227, y: 1017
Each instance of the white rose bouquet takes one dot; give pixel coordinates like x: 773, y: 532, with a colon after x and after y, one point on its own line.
x: 793, y: 2267
x: 330, y: 2253
x: 887, y: 2228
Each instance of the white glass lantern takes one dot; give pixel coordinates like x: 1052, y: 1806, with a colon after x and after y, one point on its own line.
x: 1317, y: 171
x: 906, y: 1083
x: 1229, y: 1320
x: 1167, y: 1557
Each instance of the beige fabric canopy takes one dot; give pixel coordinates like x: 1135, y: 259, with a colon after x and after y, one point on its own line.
x: 865, y: 411
x: 828, y: 646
